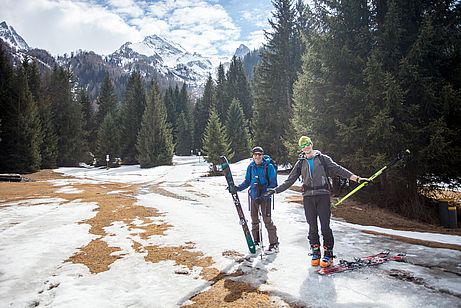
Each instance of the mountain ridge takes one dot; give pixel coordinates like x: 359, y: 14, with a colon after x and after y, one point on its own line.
x: 155, y: 57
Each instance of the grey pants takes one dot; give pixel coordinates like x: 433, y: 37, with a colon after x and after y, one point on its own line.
x: 318, y: 206
x: 267, y: 219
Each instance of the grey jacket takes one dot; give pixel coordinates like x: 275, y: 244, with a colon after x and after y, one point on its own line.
x: 317, y: 184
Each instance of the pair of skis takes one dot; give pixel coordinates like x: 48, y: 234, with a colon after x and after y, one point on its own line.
x: 373, y: 260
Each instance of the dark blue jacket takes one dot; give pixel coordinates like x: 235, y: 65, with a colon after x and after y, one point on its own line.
x: 257, y: 174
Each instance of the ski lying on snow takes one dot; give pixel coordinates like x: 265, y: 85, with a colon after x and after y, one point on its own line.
x: 372, y: 260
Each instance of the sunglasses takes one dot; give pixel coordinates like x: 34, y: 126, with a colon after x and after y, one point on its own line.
x: 257, y: 154
x: 305, y: 145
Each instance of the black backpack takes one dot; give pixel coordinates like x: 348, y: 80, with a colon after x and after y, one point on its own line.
x: 324, y: 165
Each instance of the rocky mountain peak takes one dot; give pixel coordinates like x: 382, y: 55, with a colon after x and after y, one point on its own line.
x: 13, y: 39
x: 241, y: 51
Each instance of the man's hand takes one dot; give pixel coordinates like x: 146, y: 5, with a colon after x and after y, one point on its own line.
x: 364, y: 180
x: 232, y: 189
x: 270, y: 192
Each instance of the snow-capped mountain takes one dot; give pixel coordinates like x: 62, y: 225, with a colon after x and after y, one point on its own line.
x: 166, y: 57
x: 9, y: 36
x: 17, y: 49
x: 156, y: 58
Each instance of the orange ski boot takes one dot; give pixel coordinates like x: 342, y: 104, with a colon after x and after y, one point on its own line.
x: 315, y: 255
x: 328, y: 256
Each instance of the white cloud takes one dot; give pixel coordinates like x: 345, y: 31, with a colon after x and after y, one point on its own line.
x: 128, y: 7
x: 62, y: 26
x: 255, y: 39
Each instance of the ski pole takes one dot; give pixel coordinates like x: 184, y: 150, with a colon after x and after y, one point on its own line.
x: 371, y: 178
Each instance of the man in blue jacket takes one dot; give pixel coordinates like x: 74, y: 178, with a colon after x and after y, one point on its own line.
x: 260, y: 176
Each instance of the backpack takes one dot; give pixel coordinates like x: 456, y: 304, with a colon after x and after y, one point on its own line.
x: 324, y: 165
x: 269, y: 161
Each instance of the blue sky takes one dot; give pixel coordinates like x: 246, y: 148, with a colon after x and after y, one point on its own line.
x: 209, y: 27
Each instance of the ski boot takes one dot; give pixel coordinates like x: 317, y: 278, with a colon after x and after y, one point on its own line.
x: 315, y: 255
x: 273, y: 248
x: 328, y: 256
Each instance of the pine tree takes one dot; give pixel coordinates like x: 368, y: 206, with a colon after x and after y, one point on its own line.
x: 215, y: 141
x: 155, y: 140
x: 49, y: 147
x: 33, y: 78
x: 237, y: 131
x: 238, y: 87
x: 68, y: 118
x: 108, y: 140
x: 222, y: 98
x: 8, y: 114
x: 170, y: 105
x: 107, y: 100
x: 274, y: 78
x: 184, y: 133
x: 329, y: 93
x: 202, y: 111
x: 26, y: 155
x: 132, y: 112
x: 89, y: 126
x: 182, y: 101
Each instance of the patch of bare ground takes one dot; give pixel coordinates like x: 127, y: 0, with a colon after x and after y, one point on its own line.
x: 156, y: 189
x: 38, y: 188
x: 97, y: 256
x: 121, y: 207
x: 230, y: 293
x: 371, y: 215
x: 112, y: 207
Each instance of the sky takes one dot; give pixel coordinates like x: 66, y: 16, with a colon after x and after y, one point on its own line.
x: 210, y: 27
x: 37, y: 236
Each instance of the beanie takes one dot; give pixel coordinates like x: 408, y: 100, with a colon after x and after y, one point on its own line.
x: 303, y: 141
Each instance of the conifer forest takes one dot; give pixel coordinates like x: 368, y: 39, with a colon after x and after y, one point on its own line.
x: 363, y: 79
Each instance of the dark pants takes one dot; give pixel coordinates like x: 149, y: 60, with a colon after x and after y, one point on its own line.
x: 267, y: 219
x: 318, y: 206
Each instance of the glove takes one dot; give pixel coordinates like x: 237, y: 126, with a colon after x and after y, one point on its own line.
x: 364, y: 180
x: 232, y: 189
x: 270, y: 192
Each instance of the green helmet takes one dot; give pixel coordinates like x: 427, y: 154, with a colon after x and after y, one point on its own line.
x: 304, y: 141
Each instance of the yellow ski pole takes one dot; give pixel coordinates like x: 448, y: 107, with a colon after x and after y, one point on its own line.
x: 371, y: 178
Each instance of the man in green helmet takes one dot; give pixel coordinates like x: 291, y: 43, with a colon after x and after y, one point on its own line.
x: 313, y: 167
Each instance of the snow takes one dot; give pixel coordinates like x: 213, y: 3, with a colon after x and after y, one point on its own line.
x: 168, y: 58
x: 39, y: 235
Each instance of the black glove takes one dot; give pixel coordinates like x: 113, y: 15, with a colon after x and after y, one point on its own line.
x: 232, y: 189
x: 364, y: 180
x: 270, y: 192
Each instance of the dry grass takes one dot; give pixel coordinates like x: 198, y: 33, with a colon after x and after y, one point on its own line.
x: 96, y: 256
x: 120, y: 207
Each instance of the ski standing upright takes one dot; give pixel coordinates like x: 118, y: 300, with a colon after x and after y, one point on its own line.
x: 243, y: 222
